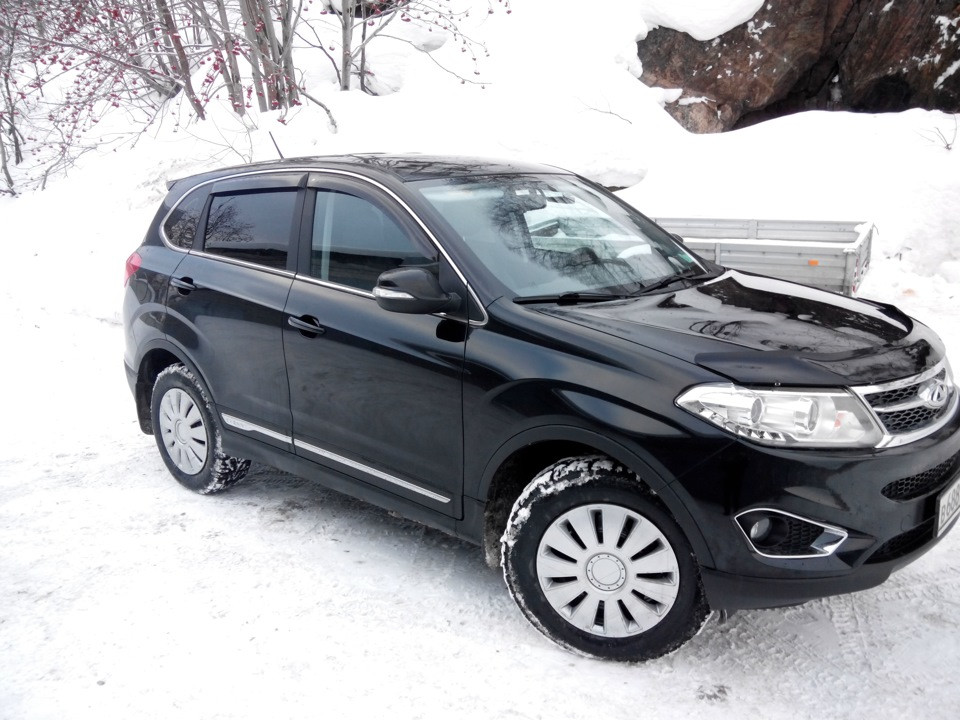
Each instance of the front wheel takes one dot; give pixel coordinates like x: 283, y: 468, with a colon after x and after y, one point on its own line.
x: 188, y: 435
x: 598, y: 567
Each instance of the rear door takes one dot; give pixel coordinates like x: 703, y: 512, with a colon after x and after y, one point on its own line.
x: 227, y: 299
x: 375, y: 395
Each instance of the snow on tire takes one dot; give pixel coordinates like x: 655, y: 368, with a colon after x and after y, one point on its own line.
x: 188, y: 434
x: 598, y: 566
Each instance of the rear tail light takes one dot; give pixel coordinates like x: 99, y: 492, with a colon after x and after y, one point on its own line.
x: 133, y: 264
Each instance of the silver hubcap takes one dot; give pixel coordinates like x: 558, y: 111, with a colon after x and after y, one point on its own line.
x: 183, y: 432
x: 608, y: 570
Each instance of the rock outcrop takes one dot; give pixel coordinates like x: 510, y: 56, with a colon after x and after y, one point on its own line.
x: 869, y: 55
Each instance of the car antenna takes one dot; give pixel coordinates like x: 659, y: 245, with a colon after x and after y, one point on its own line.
x: 270, y: 133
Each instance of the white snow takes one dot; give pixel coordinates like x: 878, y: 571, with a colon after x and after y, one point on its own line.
x: 670, y: 95
x: 123, y: 595
x: 949, y: 29
x: 756, y: 31
x: 694, y: 100
x: 954, y: 66
x: 702, y: 19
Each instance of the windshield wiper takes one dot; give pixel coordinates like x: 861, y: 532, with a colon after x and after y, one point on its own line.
x: 569, y: 298
x: 574, y: 297
x: 688, y: 274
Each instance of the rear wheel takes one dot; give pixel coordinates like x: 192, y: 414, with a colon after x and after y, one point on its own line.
x: 188, y: 434
x: 598, y: 566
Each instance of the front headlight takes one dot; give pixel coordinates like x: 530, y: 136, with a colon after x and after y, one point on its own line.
x: 815, y: 418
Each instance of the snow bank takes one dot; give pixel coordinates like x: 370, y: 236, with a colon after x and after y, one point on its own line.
x: 891, y: 169
x: 702, y: 19
x: 558, y: 88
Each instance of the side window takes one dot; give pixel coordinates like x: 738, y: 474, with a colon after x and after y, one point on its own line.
x: 251, y: 226
x: 181, y: 225
x: 354, y: 241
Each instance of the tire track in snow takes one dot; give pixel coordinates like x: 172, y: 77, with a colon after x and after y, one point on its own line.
x: 850, y: 627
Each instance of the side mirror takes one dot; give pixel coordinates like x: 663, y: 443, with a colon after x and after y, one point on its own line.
x: 413, y: 290
x: 678, y: 238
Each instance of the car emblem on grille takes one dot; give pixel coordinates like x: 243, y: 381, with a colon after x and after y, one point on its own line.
x: 934, y: 393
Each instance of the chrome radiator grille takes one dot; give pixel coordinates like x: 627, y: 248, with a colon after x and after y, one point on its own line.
x: 914, y: 407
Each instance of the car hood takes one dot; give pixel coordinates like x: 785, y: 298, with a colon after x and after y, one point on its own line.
x: 754, y: 329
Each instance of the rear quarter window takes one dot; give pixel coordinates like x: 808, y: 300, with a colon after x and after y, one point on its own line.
x: 180, y: 227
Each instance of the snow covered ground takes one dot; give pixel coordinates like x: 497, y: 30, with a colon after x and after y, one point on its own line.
x: 123, y: 595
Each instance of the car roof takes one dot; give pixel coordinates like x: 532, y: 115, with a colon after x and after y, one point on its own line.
x: 402, y: 167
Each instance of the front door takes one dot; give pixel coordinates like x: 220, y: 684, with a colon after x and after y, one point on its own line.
x: 374, y: 395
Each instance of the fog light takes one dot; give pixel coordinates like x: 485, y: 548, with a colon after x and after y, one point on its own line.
x: 760, y: 529
x: 779, y: 534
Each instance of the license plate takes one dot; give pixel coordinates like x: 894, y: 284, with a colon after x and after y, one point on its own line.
x: 948, y: 506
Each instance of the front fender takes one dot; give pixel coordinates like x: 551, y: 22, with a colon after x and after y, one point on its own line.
x: 634, y: 457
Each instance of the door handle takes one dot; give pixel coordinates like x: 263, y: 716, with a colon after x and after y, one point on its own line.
x: 308, y: 325
x: 184, y: 285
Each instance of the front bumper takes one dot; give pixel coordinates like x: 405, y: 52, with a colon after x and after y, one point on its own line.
x: 884, y: 500
x: 730, y: 591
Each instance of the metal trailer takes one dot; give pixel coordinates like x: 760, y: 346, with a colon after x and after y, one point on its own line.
x: 829, y: 255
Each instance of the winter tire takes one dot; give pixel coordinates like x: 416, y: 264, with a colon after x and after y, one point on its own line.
x: 598, y: 566
x: 188, y: 434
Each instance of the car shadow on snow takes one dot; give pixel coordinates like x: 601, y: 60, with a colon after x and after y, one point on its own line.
x: 293, y: 504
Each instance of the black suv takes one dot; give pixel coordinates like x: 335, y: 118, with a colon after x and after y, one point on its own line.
x: 511, y: 354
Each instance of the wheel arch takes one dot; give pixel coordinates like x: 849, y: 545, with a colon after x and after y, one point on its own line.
x: 157, y: 356
x: 518, y: 461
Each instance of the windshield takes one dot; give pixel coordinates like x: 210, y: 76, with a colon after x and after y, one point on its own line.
x: 554, y: 234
